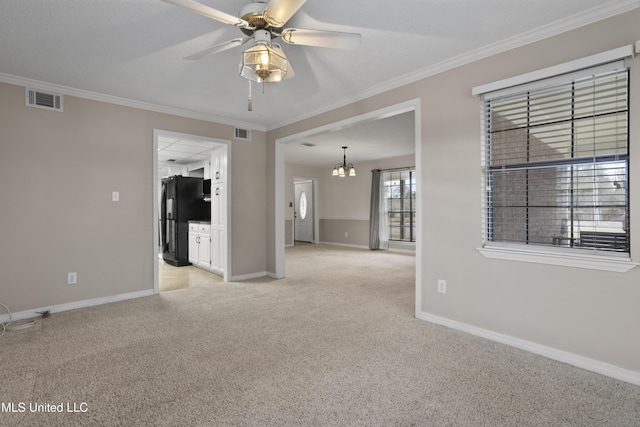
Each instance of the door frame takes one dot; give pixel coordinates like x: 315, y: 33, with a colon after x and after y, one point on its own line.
x: 156, y: 214
x: 279, y: 178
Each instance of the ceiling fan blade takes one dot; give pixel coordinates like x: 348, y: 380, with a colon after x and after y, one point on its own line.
x: 278, y: 12
x: 210, y: 12
x: 218, y: 48
x: 319, y: 38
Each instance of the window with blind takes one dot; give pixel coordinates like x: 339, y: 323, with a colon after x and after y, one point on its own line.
x: 556, y: 162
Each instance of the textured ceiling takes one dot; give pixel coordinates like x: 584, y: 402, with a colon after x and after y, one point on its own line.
x: 134, y: 49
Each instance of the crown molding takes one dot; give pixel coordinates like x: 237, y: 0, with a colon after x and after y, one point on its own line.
x: 125, y: 102
x: 599, y: 13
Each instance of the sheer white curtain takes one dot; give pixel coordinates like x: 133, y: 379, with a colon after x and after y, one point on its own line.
x: 378, y: 217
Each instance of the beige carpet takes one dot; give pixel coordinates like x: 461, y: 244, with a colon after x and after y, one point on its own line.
x: 335, y: 343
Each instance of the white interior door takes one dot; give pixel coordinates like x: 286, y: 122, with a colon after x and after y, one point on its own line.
x: 303, y: 214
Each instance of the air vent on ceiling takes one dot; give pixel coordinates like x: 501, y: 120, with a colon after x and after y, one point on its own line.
x: 40, y: 99
x: 243, y: 134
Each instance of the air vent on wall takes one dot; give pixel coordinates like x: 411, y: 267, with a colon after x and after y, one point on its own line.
x: 40, y: 99
x: 243, y: 134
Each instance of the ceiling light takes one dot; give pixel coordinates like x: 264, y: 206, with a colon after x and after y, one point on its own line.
x: 264, y: 62
x: 343, y: 169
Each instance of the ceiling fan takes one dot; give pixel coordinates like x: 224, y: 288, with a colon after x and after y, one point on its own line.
x: 263, y: 22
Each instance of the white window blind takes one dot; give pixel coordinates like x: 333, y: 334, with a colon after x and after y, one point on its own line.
x: 555, y: 162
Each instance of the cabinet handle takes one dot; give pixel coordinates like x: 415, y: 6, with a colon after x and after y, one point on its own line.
x: 217, y: 191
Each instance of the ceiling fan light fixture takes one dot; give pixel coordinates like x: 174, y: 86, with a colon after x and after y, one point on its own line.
x: 264, y: 62
x: 264, y: 21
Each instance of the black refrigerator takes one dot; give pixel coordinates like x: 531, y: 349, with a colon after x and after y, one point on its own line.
x: 182, y: 201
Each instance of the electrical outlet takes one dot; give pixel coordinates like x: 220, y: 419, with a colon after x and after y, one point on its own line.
x: 442, y: 286
x: 72, y: 278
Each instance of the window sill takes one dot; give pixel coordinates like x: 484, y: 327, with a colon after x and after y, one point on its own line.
x: 539, y: 256
x: 402, y: 246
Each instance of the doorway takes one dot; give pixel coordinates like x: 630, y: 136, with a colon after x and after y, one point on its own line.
x: 209, y: 159
x: 281, y: 144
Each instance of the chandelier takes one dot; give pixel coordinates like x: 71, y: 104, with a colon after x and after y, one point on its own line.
x: 344, y: 169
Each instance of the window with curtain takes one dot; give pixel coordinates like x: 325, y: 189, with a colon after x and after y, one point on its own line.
x: 556, y: 162
x: 400, y: 202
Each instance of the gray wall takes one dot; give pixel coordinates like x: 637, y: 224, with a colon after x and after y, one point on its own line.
x: 587, y: 313
x: 345, y: 231
x: 288, y: 232
x: 57, y: 172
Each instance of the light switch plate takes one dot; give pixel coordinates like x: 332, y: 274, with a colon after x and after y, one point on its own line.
x: 115, y: 196
x: 442, y: 286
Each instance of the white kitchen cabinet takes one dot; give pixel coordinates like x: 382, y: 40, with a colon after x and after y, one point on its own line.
x: 218, y: 221
x: 200, y: 244
x: 217, y: 249
x: 219, y: 165
x: 193, y: 242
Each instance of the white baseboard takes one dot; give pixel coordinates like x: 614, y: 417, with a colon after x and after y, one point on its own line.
x: 346, y: 245
x: 592, y: 365
x: 248, y: 276
x: 216, y: 271
x: 27, y: 314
